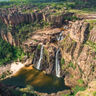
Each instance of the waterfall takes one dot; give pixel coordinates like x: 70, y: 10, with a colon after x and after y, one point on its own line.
x: 57, y: 63
x: 41, y: 57
x: 60, y: 36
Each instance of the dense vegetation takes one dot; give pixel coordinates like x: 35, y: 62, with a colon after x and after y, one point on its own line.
x: 9, y: 53
x: 78, y: 6
x: 79, y: 3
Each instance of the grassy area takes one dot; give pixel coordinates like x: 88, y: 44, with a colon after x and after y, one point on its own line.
x: 84, y: 11
x: 77, y: 11
x: 92, y: 23
x: 56, y: 6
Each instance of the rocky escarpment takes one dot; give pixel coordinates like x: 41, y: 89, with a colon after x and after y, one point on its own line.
x: 16, y: 18
x: 77, y: 52
x: 77, y: 56
x: 13, y: 17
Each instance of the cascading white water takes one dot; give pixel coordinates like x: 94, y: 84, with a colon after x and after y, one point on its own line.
x: 57, y: 64
x: 41, y: 57
x: 60, y: 36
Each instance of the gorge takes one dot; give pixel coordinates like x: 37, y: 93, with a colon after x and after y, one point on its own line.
x: 47, y: 49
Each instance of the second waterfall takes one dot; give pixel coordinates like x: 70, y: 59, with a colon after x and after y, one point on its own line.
x: 57, y: 63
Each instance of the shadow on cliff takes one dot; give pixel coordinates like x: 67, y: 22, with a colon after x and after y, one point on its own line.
x: 37, y: 79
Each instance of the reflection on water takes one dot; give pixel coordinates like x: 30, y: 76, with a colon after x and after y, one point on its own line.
x: 40, y: 81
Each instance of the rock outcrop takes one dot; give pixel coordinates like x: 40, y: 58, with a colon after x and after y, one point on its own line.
x: 78, y: 51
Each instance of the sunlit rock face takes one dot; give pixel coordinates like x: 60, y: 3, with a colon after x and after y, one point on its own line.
x: 4, y: 69
x: 16, y: 66
x: 15, y: 16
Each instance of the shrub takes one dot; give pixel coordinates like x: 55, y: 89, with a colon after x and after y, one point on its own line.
x: 80, y: 81
x: 94, y: 94
x: 39, y: 47
x: 62, y: 61
x: 91, y: 44
x: 77, y: 89
x: 71, y: 18
x: 71, y: 65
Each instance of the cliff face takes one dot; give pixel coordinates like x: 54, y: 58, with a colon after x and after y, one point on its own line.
x: 77, y: 56
x: 17, y: 18
x: 78, y: 51
x: 13, y: 17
